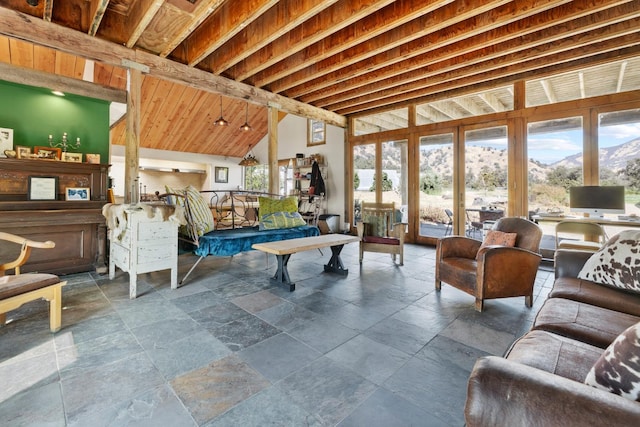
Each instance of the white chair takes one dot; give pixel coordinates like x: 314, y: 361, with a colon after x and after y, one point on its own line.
x: 581, y: 235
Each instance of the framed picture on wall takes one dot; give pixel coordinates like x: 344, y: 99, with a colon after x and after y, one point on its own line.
x: 222, y: 174
x: 42, y: 188
x: 6, y: 140
x: 79, y: 193
x: 48, y: 153
x: 72, y: 157
x: 23, y: 152
x: 93, y: 158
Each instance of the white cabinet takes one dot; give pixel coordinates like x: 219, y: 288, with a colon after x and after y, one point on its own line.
x: 142, y: 244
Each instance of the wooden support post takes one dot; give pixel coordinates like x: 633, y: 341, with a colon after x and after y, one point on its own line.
x: 132, y: 141
x: 274, y: 176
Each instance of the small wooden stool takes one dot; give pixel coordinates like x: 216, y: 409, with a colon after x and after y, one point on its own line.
x: 17, y: 290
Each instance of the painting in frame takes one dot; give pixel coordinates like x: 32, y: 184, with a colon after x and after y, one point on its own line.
x: 77, y: 193
x: 47, y: 153
x: 23, y: 152
x: 6, y: 140
x: 42, y: 188
x: 93, y: 158
x: 222, y: 174
x: 72, y: 157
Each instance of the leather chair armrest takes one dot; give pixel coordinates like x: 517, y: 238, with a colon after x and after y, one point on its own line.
x: 569, y: 262
x: 498, y: 265
x: 458, y: 246
x: 502, y: 392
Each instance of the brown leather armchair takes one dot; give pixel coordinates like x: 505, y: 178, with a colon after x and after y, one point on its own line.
x: 494, y: 271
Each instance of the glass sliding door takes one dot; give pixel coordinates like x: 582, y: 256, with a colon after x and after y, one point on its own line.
x: 394, y: 177
x: 364, y: 170
x: 435, y: 205
x: 486, y: 178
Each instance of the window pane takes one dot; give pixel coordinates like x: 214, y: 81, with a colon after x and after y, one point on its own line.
x: 619, y: 160
x: 555, y: 164
x: 256, y: 178
x: 486, y: 162
x: 364, y: 166
x: 436, y: 185
x: 394, y: 177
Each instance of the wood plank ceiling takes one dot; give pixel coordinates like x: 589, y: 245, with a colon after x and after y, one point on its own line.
x: 350, y: 57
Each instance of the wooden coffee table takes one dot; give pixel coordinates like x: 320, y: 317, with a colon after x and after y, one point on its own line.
x: 283, y: 250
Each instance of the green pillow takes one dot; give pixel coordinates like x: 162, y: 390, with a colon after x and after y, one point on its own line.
x: 279, y: 220
x: 269, y: 205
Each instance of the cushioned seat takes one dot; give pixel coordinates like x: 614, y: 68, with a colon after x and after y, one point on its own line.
x: 556, y: 354
x: 379, y: 231
x: 587, y: 323
x: 595, y: 294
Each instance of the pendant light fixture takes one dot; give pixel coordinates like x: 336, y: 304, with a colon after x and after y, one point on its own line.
x: 249, y: 159
x: 246, y: 126
x: 221, y: 121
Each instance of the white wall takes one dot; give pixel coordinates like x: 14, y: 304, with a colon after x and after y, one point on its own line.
x: 292, y: 139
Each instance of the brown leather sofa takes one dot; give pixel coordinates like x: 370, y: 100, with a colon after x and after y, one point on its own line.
x: 540, y: 381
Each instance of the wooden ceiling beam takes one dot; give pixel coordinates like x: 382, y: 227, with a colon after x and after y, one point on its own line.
x: 492, y: 102
x: 38, y: 78
x: 223, y: 24
x: 139, y: 18
x: 96, y: 13
x: 584, y: 56
x: 199, y: 15
x: 333, y: 19
x: 519, y: 49
x: 388, y: 18
x: 514, y: 36
x: 273, y: 24
x: 388, y: 39
x: 47, y: 10
x: 548, y: 91
x: 456, y: 34
x: 623, y: 67
x: 24, y: 27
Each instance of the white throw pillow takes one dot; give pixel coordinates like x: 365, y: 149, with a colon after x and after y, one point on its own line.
x: 617, y: 263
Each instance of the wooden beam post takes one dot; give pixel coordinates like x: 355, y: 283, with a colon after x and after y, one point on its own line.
x: 274, y: 176
x: 132, y: 140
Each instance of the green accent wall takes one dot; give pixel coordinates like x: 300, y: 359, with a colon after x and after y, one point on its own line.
x: 35, y: 113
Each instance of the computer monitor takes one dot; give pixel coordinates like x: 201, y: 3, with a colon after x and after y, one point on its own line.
x: 597, y: 200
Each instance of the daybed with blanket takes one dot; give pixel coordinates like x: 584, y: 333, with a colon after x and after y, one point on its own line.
x: 278, y: 220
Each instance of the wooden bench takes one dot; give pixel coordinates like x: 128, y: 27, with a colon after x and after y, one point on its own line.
x: 283, y: 250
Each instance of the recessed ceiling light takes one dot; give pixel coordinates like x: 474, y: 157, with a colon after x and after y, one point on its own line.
x: 33, y: 2
x: 57, y: 93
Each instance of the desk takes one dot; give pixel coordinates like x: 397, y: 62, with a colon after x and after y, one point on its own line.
x: 283, y: 250
x: 627, y: 223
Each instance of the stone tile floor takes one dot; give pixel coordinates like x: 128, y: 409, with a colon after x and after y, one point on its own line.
x: 378, y: 347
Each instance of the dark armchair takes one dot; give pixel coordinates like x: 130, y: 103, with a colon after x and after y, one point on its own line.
x: 493, y: 271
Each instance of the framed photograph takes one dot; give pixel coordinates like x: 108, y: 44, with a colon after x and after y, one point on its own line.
x: 93, y: 158
x: 72, y: 157
x: 43, y: 188
x: 48, y: 153
x: 222, y: 174
x: 6, y: 140
x: 76, y: 193
x: 316, y: 134
x: 23, y: 152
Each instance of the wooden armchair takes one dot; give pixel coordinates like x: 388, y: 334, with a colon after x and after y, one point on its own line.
x: 492, y: 271
x: 17, y: 289
x: 379, y: 232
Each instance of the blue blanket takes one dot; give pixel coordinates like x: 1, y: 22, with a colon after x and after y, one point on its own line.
x: 233, y: 241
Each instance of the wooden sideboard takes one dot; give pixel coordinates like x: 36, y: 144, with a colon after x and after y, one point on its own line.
x: 77, y: 227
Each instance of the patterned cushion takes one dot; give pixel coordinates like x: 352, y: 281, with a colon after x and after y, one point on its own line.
x: 618, y: 369
x: 376, y: 225
x: 270, y: 205
x: 500, y: 238
x: 279, y: 220
x: 617, y: 264
x: 201, y: 220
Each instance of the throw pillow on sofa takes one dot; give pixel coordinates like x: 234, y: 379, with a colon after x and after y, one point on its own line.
x: 279, y: 220
x: 270, y: 205
x: 617, y: 263
x: 618, y: 369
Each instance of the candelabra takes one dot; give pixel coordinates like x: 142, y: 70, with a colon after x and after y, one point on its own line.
x: 64, y: 144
